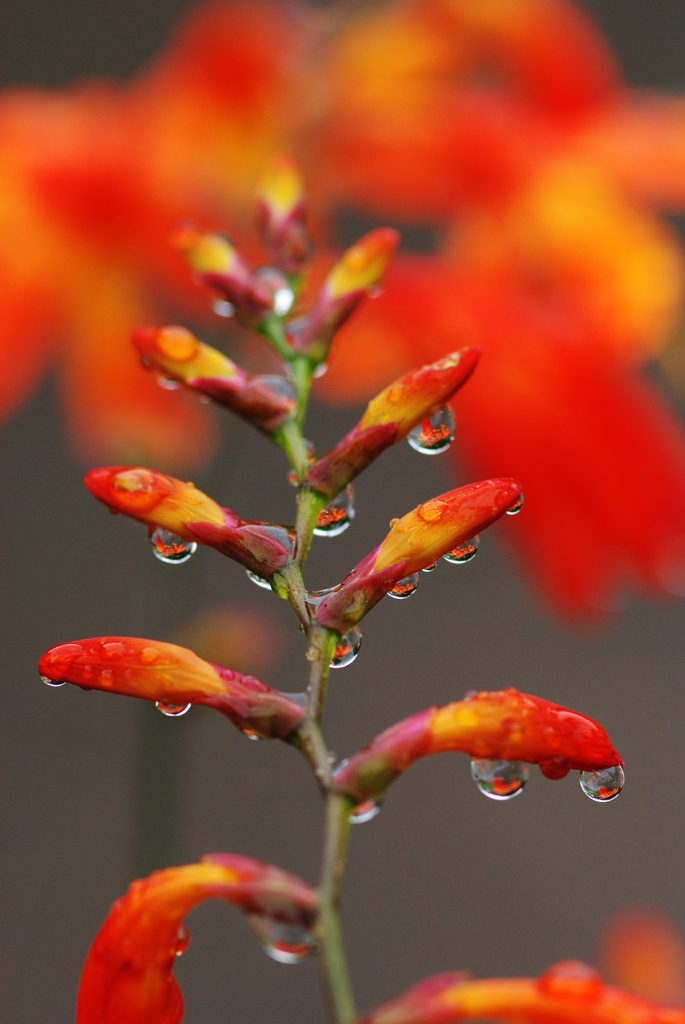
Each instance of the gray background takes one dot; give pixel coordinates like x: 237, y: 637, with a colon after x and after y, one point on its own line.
x: 442, y: 878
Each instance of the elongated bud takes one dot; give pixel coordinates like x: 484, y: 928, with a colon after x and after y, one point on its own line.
x: 390, y: 416
x: 172, y: 675
x: 217, y: 263
x: 128, y: 973
x: 280, y: 216
x: 163, y: 501
x: 569, y: 991
x: 504, y: 725
x: 359, y: 270
x: 414, y: 542
x: 179, y: 354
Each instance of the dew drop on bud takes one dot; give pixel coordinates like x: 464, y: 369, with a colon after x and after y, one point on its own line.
x: 517, y: 506
x: 259, y: 580
x: 283, y: 300
x: 287, y: 943
x: 320, y: 371
x: 470, y: 694
x: 499, y: 780
x: 429, y: 568
x: 168, y: 383
x: 223, y: 308
x: 435, y: 434
x: 53, y: 682
x: 347, y: 649
x: 172, y: 710
x: 251, y: 734
x: 604, y: 784
x: 182, y: 940
x: 464, y: 553
x: 366, y: 811
x: 167, y: 547
x: 336, y: 517
x: 405, y: 588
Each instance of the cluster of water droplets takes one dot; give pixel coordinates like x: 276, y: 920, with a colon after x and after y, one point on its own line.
x: 285, y: 942
x: 434, y: 434
x: 167, y: 547
x: 503, y: 780
x: 337, y: 516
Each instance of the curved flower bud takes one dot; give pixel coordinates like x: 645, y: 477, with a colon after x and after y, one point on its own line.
x: 358, y: 270
x: 504, y: 725
x: 217, y: 263
x: 280, y: 216
x: 172, y: 676
x: 415, y: 541
x: 163, y: 501
x: 569, y: 992
x: 128, y: 973
x: 179, y: 354
x: 389, y: 417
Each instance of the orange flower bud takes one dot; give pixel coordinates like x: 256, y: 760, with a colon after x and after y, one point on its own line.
x: 173, y: 677
x: 414, y: 542
x: 504, y: 725
x: 360, y: 269
x: 163, y: 501
x: 128, y: 973
x: 280, y: 216
x: 390, y: 416
x: 569, y: 992
x: 178, y: 353
x: 217, y: 263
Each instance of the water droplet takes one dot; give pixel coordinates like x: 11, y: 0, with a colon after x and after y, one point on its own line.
x: 499, y: 780
x: 432, y: 511
x: 573, y: 979
x: 149, y: 655
x: 470, y: 694
x: 223, y: 308
x: 168, y: 383
x: 393, y: 522
x: 167, y: 547
x: 288, y: 943
x: 366, y: 811
x: 517, y: 506
x: 347, y: 649
x: 251, y: 734
x: 283, y: 300
x: 172, y: 710
x: 321, y: 369
x: 429, y: 568
x: 603, y: 785
x: 259, y: 580
x: 336, y: 517
x: 53, y: 682
x: 464, y: 553
x: 405, y: 588
x: 315, y: 597
x: 182, y: 940
x: 435, y: 434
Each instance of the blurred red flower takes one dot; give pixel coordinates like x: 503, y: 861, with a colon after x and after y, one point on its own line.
x: 505, y: 127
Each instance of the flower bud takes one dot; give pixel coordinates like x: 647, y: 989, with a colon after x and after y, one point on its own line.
x: 217, y: 263
x: 128, y: 973
x: 389, y: 417
x: 504, y: 725
x: 179, y: 354
x: 414, y: 542
x: 359, y: 270
x: 172, y: 675
x: 163, y: 501
x: 280, y: 216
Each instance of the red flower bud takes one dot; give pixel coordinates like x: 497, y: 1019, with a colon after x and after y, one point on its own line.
x: 163, y: 501
x: 172, y: 676
x: 569, y: 992
x: 415, y: 541
x: 504, y: 725
x: 128, y: 973
x: 389, y: 417
x: 280, y: 216
x: 180, y: 355
x: 359, y: 269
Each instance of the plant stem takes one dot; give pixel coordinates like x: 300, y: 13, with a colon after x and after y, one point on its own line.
x: 301, y: 369
x: 272, y: 329
x: 335, y: 974
x: 309, y: 504
x: 289, y: 437
x: 322, y: 644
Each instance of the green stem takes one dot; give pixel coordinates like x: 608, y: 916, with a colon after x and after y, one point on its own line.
x: 272, y: 329
x: 290, y: 439
x: 301, y: 369
x: 334, y: 969
x: 288, y: 584
x: 309, y: 740
x: 322, y: 644
x: 309, y: 504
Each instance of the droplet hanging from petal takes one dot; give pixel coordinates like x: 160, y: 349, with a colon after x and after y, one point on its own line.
x: 604, y: 784
x: 405, y: 587
x: 464, y: 553
x: 53, y: 682
x: 285, y: 942
x: 336, y: 517
x: 499, y: 780
x: 172, y: 710
x: 517, y: 506
x: 167, y: 547
x: 258, y: 580
x: 347, y: 649
x: 434, y: 434
x: 366, y: 811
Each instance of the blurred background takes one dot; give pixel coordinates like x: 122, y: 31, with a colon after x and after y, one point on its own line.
x: 94, y: 789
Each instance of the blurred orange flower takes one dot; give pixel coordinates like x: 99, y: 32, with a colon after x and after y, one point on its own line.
x: 504, y: 127
x: 642, y: 950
